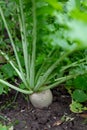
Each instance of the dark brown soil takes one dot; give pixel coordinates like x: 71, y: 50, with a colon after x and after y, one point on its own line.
x: 24, y: 116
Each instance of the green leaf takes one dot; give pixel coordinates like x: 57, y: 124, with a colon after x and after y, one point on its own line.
x: 8, y: 70
x: 76, y: 33
x: 78, y: 15
x: 79, y: 95
x: 80, y: 83
x: 43, y: 8
x: 76, y: 107
x: 2, y: 2
x: 21, y: 86
x: 85, y: 3
x: 55, y: 4
x: 3, y: 127
x: 73, y: 4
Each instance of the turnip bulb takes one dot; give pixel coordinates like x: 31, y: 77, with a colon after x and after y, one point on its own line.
x: 41, y: 99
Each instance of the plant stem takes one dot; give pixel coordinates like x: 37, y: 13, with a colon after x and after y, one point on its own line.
x: 24, y: 38
x: 43, y: 79
x: 34, y: 37
x: 15, y: 68
x: 74, y: 64
x: 13, y: 45
x: 40, y: 71
x: 15, y: 88
x: 60, y: 80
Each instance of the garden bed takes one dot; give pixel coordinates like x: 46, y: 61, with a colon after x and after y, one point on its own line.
x: 23, y: 116
x: 48, y: 47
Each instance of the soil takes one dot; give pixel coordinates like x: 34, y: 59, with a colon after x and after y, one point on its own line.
x: 24, y: 116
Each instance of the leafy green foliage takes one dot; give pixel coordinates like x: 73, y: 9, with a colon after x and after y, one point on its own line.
x: 7, y: 71
x: 79, y: 96
x: 4, y: 127
x: 78, y: 91
x: 77, y: 107
x: 80, y: 83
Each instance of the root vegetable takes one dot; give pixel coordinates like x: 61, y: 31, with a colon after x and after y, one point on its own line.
x: 41, y: 99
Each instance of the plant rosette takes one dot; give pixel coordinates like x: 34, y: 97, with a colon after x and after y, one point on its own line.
x: 41, y: 99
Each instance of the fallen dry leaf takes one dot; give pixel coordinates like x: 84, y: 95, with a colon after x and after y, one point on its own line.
x: 57, y: 123
x: 83, y: 115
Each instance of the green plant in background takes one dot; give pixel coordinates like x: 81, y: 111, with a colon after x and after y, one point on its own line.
x: 43, y: 38
x: 4, y: 127
x: 78, y: 90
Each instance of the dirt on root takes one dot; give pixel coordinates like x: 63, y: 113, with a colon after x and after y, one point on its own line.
x: 24, y: 116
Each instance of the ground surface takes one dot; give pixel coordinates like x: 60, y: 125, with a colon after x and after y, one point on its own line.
x: 25, y: 117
